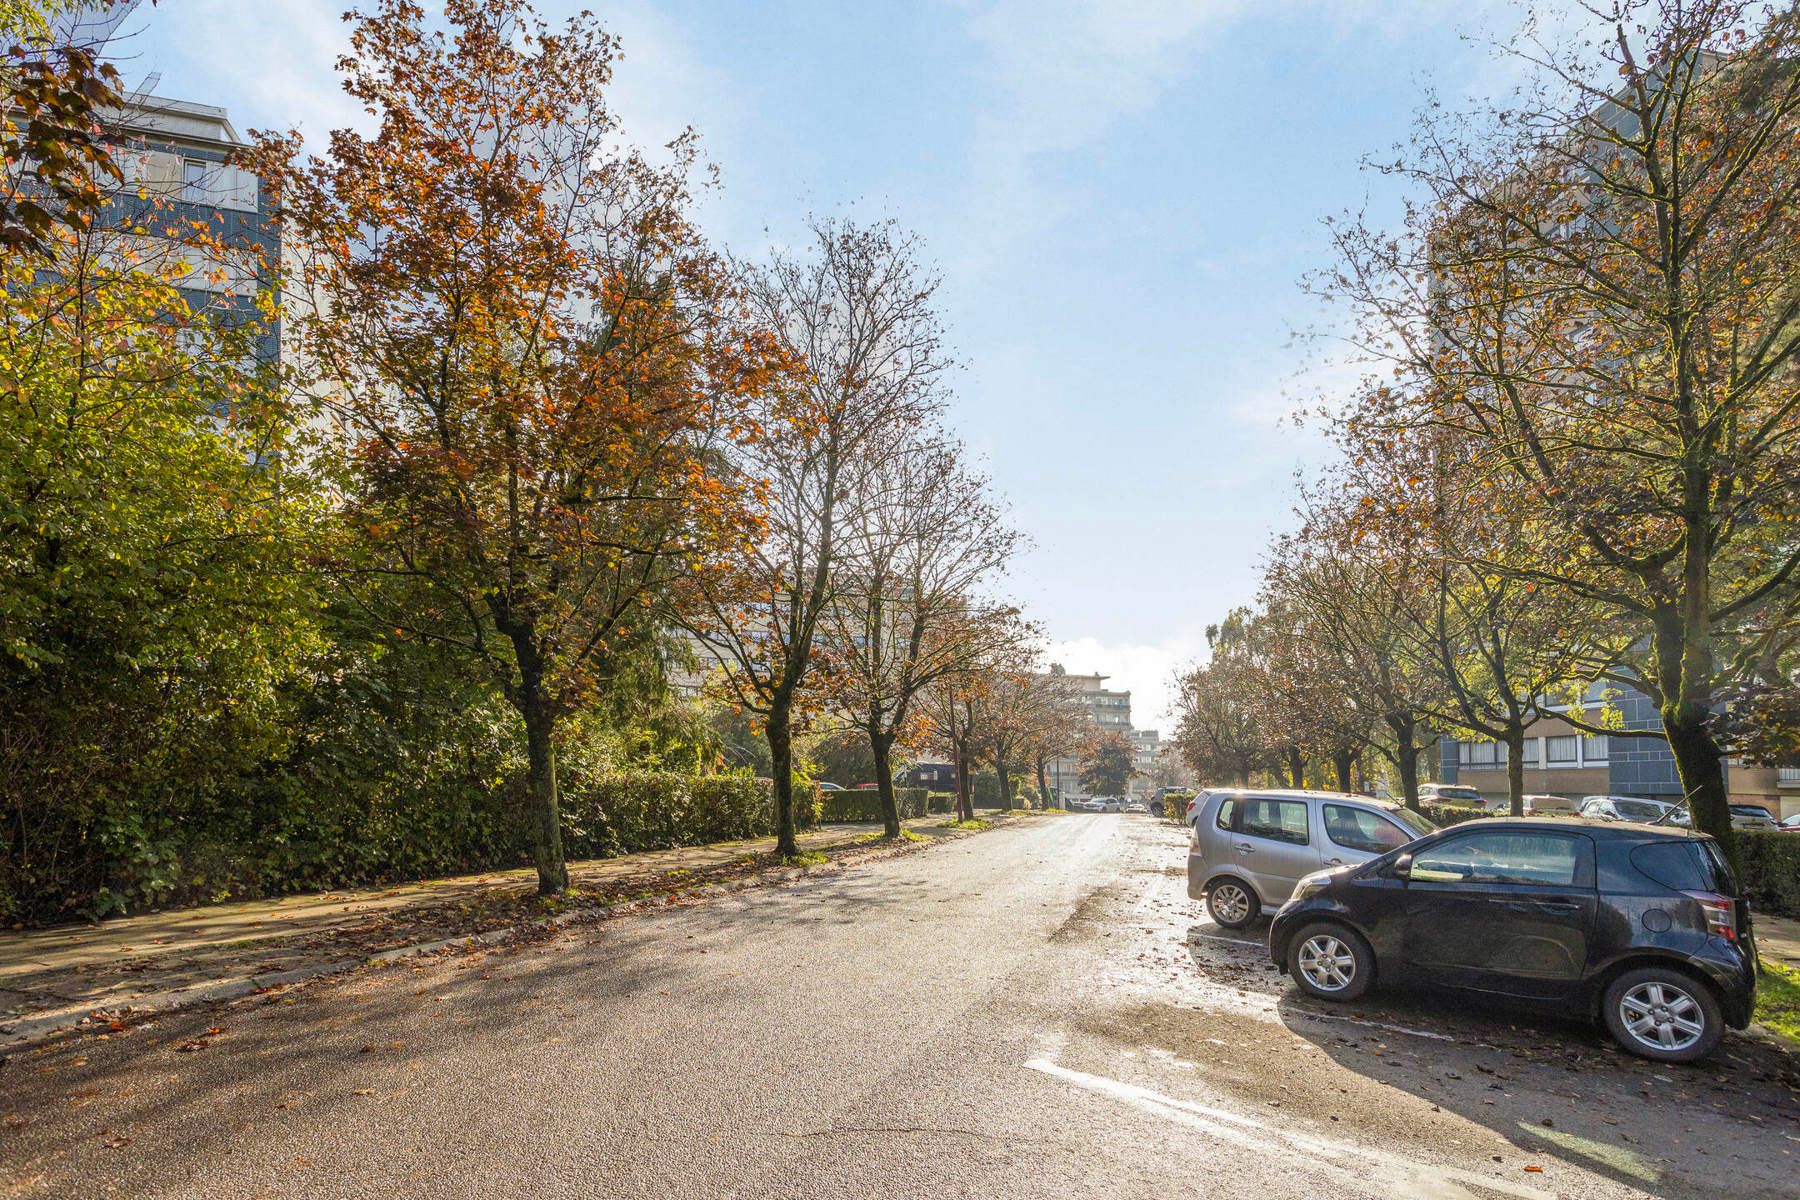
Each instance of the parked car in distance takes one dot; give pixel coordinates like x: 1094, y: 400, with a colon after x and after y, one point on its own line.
x: 1645, y: 928
x: 1451, y: 793
x: 1790, y: 824
x: 866, y: 787
x: 1751, y: 816
x: 1631, y: 808
x: 827, y: 786
x: 1538, y: 805
x: 1251, y: 847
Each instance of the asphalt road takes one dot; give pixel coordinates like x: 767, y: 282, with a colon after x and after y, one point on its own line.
x: 1035, y: 1011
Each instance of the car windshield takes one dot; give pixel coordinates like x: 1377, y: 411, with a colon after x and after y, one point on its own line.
x: 1750, y: 810
x: 1459, y: 793
x: 1639, y: 810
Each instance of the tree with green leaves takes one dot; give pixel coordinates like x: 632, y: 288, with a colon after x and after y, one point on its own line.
x: 155, y: 530
x: 1106, y: 763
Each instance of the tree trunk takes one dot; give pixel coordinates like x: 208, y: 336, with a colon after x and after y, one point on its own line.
x: 965, y: 789
x: 1515, y: 769
x: 781, y: 755
x: 1005, y: 785
x: 1044, y: 797
x: 1296, y: 768
x: 1406, y: 757
x: 881, y: 745
x: 1342, y: 761
x: 1702, y: 770
x: 540, y: 727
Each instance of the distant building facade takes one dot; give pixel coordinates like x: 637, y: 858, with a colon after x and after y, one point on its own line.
x: 1561, y: 760
x: 1100, y: 706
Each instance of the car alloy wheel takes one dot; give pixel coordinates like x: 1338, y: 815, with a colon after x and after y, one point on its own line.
x: 1327, y: 962
x: 1230, y: 904
x: 1662, y: 1016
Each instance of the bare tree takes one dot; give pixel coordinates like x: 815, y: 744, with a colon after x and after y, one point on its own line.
x: 857, y: 312
x: 906, y: 610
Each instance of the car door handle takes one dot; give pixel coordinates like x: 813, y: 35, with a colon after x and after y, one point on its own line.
x: 1558, y: 905
x: 1245, y: 847
x: 1334, y: 862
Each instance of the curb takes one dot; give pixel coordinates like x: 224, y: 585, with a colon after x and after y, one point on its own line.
x: 27, y: 1031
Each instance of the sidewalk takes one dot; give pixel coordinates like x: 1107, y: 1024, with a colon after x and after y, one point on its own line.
x: 53, y: 978
x: 1777, y: 939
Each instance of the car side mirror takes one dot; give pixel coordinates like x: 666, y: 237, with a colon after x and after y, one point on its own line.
x: 1402, y: 868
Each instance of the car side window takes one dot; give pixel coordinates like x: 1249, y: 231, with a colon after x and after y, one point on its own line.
x: 1506, y: 856
x: 1276, y: 820
x: 1360, y: 829
x: 1227, y: 812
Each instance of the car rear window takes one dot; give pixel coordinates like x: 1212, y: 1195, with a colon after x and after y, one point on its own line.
x: 1686, y: 866
x: 1749, y: 810
x: 1638, y: 810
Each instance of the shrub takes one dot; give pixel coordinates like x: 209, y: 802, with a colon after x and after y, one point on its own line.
x: 622, y: 812
x: 1175, y: 805
x: 911, y: 801
x: 1769, y: 861
x: 863, y: 805
x: 985, y: 790
x: 1451, y: 814
x: 940, y: 802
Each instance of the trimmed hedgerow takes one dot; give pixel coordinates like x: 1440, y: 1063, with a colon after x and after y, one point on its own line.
x: 1769, y: 861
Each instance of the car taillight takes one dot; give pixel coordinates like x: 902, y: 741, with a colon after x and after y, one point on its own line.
x: 1721, y: 914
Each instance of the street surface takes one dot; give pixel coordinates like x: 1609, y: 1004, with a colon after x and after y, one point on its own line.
x: 1034, y: 1011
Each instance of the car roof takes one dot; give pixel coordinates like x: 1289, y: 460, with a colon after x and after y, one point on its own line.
x: 1588, y: 825
x: 1301, y: 794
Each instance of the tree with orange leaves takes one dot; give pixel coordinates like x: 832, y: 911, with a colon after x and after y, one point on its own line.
x: 528, y: 356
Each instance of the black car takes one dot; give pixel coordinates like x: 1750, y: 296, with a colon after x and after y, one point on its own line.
x: 1644, y: 926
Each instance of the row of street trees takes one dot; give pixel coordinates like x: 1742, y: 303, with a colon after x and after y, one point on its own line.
x: 533, y: 448
x: 1579, y: 459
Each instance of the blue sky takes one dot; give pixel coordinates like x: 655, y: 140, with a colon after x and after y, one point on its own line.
x: 1123, y: 196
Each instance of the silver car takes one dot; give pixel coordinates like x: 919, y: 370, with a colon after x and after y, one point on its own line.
x: 1250, y: 847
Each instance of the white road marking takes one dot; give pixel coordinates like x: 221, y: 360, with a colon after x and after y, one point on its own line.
x: 1364, y: 1168
x: 1219, y: 937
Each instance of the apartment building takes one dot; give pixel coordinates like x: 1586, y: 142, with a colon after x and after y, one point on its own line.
x: 1561, y: 760
x: 1105, y: 708
x: 183, y: 205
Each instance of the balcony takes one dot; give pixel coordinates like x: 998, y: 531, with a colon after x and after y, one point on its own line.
x: 1787, y: 777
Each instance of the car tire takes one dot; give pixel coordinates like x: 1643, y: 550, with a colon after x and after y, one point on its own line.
x: 1331, y: 962
x: 1232, y: 903
x: 1663, y: 1014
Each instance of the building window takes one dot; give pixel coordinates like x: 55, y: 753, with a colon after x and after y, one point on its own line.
x: 1530, y: 755
x: 1481, y: 754
x: 1560, y: 751
x: 1595, y: 748
x: 193, y: 181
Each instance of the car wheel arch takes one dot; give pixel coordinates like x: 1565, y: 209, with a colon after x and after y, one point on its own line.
x: 1237, y: 877
x: 1634, y: 959
x: 1329, y: 917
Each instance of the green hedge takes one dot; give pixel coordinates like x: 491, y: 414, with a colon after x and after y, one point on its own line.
x: 622, y: 812
x: 1175, y: 805
x: 940, y: 802
x: 1452, y: 814
x: 864, y: 804
x: 1769, y: 861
